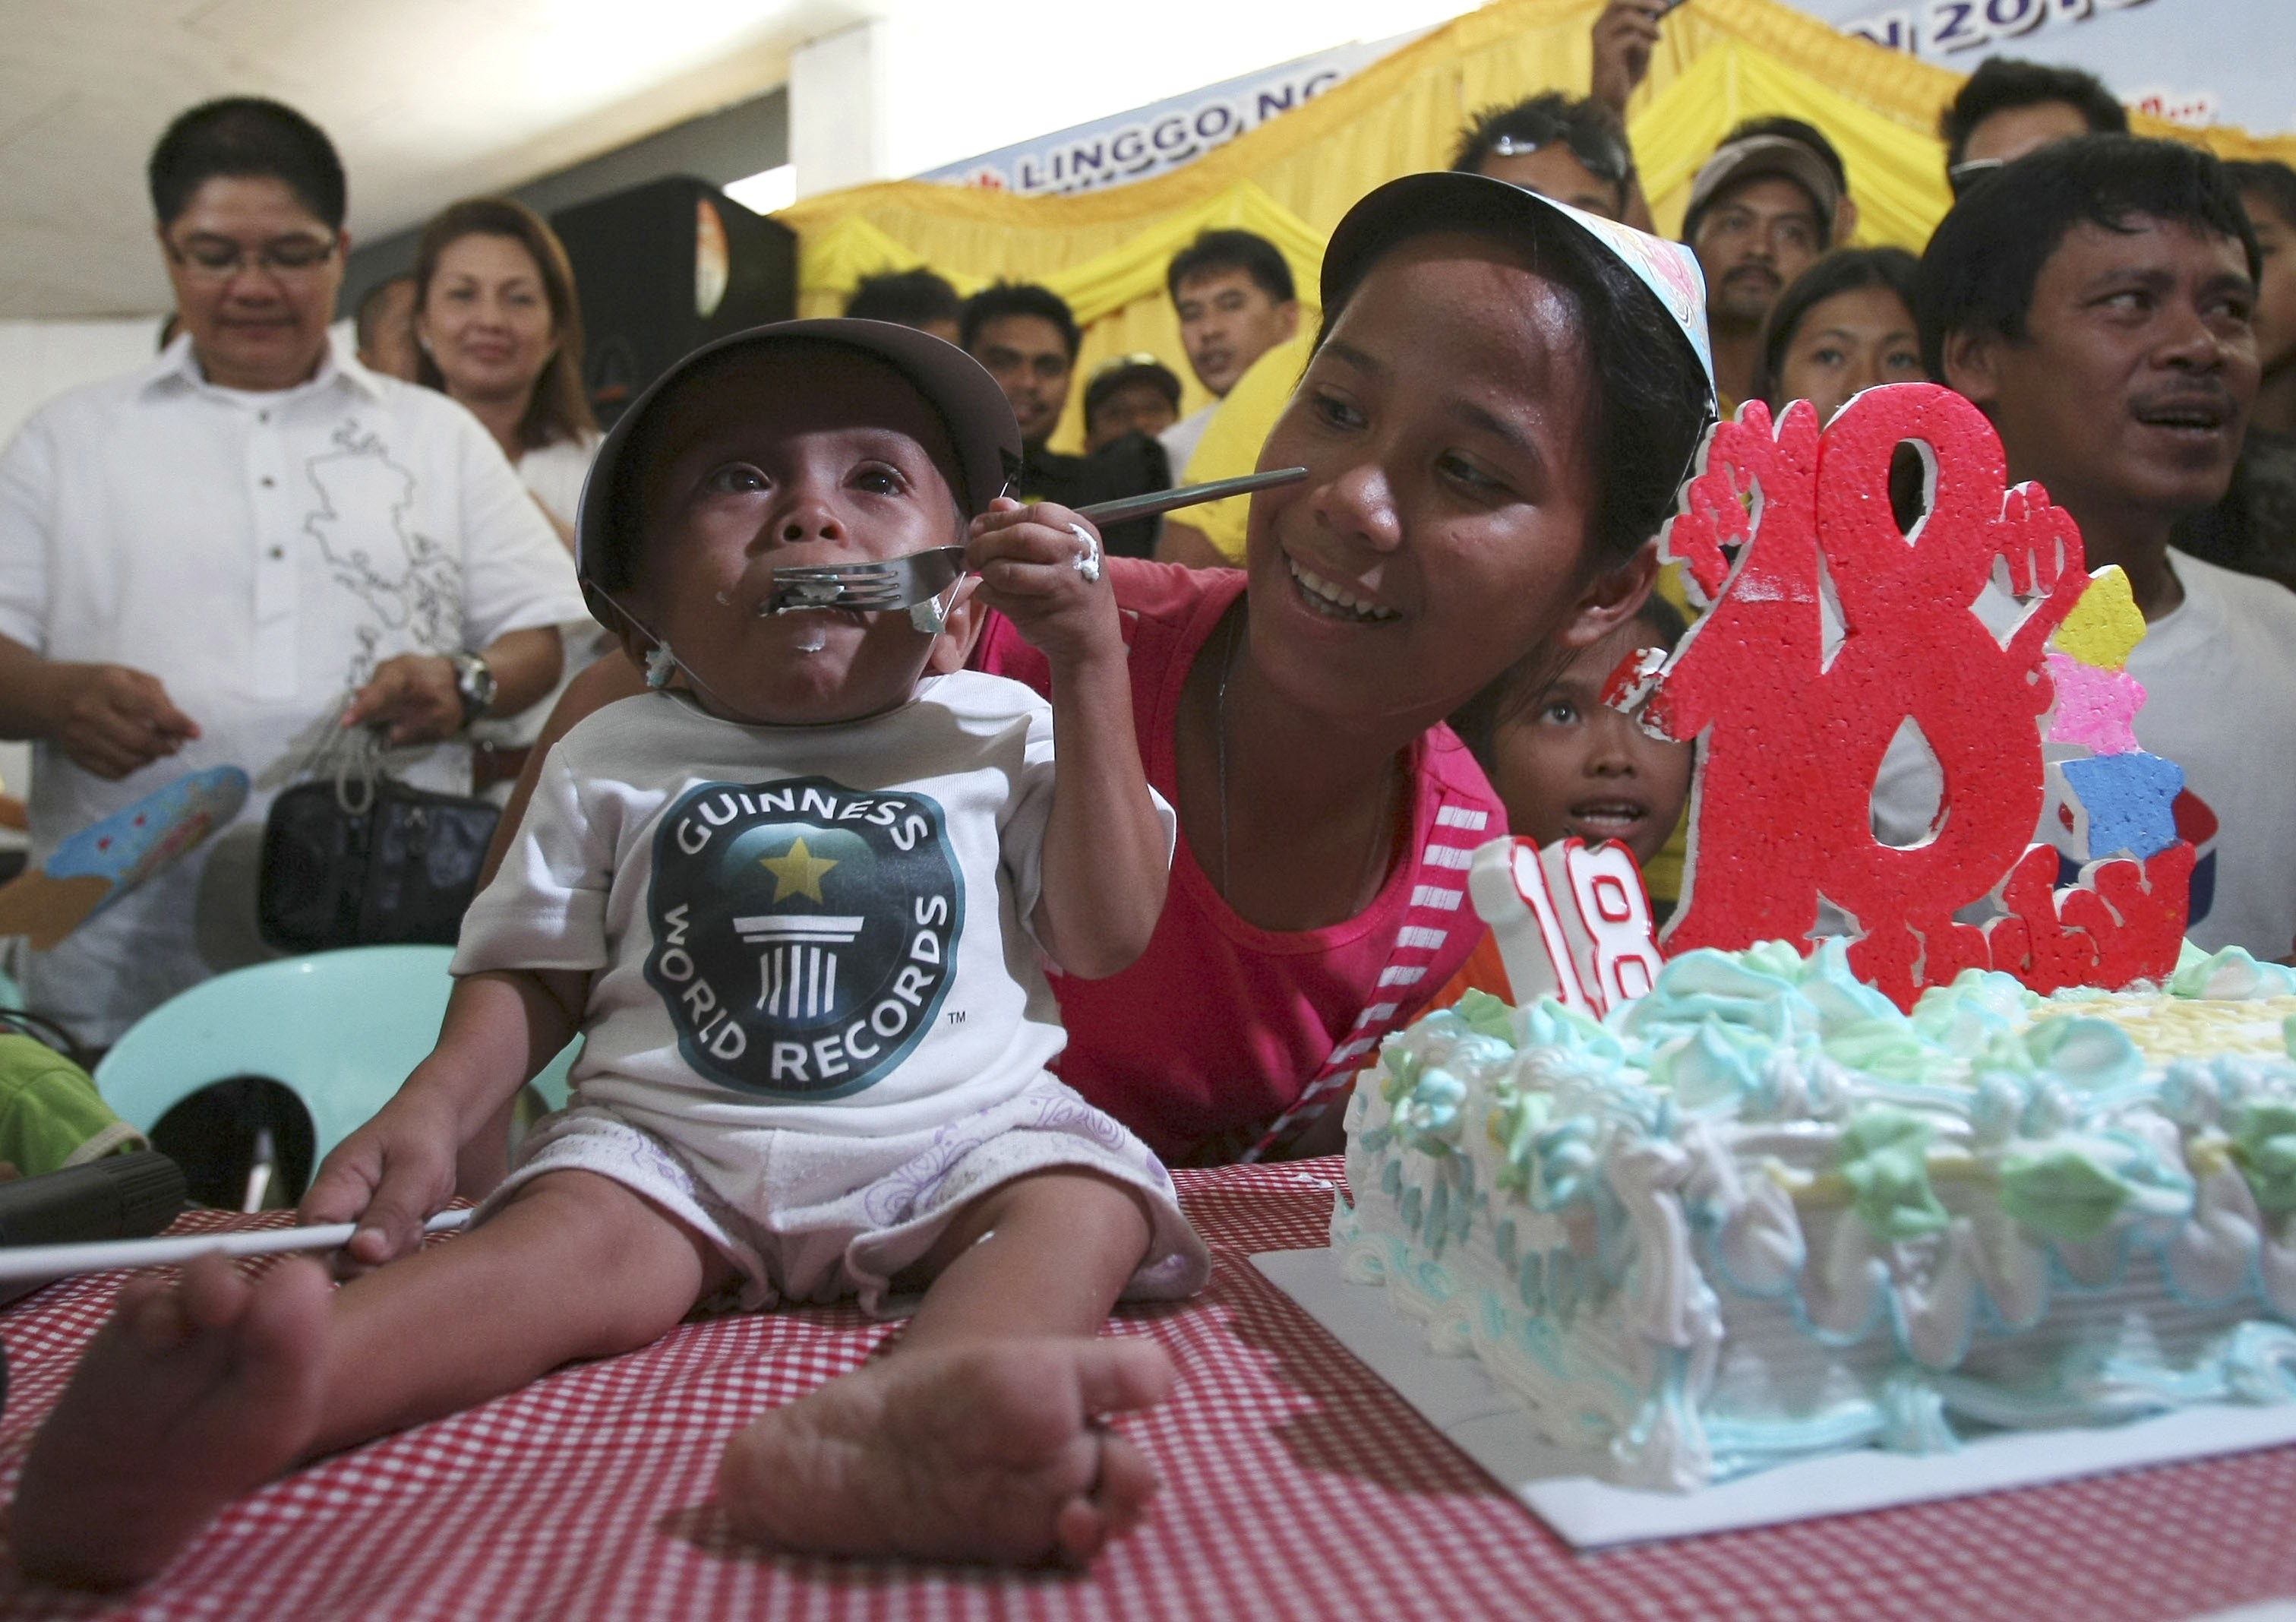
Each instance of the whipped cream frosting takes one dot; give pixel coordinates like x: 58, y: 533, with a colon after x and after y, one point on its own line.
x: 1760, y: 1213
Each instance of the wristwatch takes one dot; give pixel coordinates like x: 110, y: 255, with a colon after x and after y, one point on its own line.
x: 474, y: 685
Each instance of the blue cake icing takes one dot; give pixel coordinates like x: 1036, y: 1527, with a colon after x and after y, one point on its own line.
x: 1759, y: 1214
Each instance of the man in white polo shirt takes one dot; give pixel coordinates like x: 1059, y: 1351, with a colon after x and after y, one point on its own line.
x: 202, y: 562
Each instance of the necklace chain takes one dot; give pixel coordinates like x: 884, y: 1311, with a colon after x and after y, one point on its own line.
x: 1382, y: 827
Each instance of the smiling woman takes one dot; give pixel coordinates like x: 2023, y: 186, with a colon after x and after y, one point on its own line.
x: 1484, y: 354
x: 500, y: 331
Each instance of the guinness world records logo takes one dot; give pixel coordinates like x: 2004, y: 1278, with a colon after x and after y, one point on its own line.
x: 804, y: 932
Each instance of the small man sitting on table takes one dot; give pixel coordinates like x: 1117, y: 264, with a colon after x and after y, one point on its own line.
x: 795, y: 898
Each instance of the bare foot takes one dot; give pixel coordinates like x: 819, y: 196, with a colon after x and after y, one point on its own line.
x: 989, y: 1451
x: 186, y: 1399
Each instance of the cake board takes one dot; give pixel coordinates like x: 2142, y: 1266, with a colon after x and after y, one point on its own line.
x: 1459, y: 1399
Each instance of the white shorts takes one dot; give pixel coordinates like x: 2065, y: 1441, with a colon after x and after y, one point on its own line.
x: 848, y: 1214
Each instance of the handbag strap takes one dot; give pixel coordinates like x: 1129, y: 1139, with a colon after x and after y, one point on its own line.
x: 361, y: 762
x: 353, y: 757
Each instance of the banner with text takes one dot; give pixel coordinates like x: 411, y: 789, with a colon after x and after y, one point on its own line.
x: 2192, y: 62
x: 1164, y: 136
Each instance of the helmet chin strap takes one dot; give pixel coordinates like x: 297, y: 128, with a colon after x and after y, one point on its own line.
x: 661, y: 659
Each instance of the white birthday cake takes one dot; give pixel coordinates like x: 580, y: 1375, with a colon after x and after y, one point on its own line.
x: 1706, y: 1215
x: 1758, y: 1213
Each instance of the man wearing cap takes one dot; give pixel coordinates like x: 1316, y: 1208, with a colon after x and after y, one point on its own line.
x: 1760, y: 210
x: 1135, y: 394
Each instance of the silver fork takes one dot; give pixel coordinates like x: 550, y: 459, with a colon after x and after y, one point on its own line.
x: 896, y: 582
x: 914, y: 580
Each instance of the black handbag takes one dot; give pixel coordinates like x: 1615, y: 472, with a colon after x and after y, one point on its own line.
x: 367, y: 861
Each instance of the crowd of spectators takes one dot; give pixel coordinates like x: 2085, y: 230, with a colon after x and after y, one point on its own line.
x: 260, y: 543
x: 2123, y: 309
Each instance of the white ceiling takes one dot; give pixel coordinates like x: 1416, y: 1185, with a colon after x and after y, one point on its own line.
x: 432, y: 100
x: 428, y: 100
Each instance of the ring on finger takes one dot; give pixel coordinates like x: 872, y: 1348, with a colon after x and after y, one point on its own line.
x: 1087, y: 557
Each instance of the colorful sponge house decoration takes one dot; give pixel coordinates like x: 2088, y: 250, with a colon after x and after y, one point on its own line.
x: 2116, y: 800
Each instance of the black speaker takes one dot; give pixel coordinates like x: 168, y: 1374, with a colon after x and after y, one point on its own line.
x: 663, y: 268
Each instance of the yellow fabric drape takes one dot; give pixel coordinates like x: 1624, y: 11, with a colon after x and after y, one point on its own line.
x: 1232, y: 440
x: 1291, y: 178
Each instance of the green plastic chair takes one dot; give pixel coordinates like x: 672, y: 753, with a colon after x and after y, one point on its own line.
x: 340, y: 1029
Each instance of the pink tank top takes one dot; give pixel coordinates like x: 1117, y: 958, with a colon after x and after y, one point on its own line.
x: 1224, y: 1039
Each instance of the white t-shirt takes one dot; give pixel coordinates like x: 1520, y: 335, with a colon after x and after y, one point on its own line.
x: 555, y: 472
x: 554, y: 477
x: 830, y: 923
x: 2220, y: 678
x: 260, y: 555
x: 1179, y: 441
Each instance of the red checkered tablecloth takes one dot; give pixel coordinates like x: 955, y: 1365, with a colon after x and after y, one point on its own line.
x: 1296, y: 1484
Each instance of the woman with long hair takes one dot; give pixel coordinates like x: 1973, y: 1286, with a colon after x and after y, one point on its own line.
x: 500, y: 331
x: 1843, y: 326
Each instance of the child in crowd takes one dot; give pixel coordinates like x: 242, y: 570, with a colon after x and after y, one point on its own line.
x: 795, y: 899
x: 1567, y: 765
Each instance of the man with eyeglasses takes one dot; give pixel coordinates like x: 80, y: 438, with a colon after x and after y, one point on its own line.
x: 1761, y: 208
x: 207, y: 562
x: 2009, y: 108
x: 1572, y: 151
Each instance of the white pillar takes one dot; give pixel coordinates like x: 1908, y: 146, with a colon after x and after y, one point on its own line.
x: 840, y: 109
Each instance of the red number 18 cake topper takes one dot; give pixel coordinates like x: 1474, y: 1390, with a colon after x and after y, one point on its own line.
x: 1830, y: 628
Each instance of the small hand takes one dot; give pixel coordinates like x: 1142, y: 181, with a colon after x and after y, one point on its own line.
x: 111, y: 719
x: 414, y: 696
x: 1026, y: 559
x: 1625, y: 35
x: 389, y: 1176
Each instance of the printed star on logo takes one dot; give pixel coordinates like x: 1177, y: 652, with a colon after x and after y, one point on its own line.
x: 797, y: 872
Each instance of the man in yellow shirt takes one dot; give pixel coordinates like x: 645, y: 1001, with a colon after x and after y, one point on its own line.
x: 1234, y: 294
x: 1212, y: 538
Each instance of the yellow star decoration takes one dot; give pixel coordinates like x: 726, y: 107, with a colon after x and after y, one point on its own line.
x: 797, y: 872
x: 2104, y: 625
